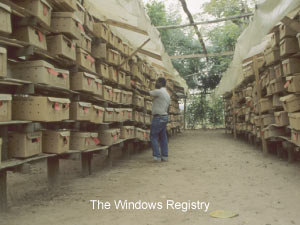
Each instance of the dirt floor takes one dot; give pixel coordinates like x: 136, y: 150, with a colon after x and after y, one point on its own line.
x: 208, y: 166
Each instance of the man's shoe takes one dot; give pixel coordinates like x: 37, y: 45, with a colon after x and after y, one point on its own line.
x: 156, y: 159
x: 164, y: 159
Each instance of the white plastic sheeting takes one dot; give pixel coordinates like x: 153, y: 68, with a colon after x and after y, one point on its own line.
x: 267, y: 15
x: 133, y: 12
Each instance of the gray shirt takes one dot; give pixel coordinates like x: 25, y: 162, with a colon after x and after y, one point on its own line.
x: 161, y: 101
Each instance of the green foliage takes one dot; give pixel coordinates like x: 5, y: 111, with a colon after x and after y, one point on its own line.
x: 221, y: 37
x: 224, y: 8
x: 202, y: 111
x: 216, y: 112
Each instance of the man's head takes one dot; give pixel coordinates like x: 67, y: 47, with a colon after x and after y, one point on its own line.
x: 160, y: 82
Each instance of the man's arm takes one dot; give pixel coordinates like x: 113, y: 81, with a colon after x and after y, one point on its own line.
x: 154, y: 93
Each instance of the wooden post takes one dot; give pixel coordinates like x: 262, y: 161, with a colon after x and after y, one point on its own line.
x: 3, y: 190
x: 258, y: 88
x: 291, y: 154
x: 86, y: 164
x: 110, y: 157
x: 233, y: 115
x: 52, y: 170
x: 184, y: 115
x: 4, y: 136
x: 126, y: 152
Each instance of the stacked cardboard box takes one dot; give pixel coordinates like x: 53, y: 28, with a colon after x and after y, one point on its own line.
x: 79, y: 71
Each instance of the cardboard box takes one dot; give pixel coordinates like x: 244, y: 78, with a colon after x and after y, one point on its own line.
x: 41, y: 72
x: 97, y: 114
x: 81, y: 111
x: 83, y: 140
x: 268, y: 119
x: 129, y: 98
x: 80, y: 141
x: 103, y: 70
x: 269, y: 89
x: 40, y: 108
x: 276, y: 101
x: 24, y: 145
x: 5, y: 15
x: 275, y: 39
x: 3, y: 62
x: 289, y: 46
x: 113, y: 57
x: 277, y: 86
x: 291, y: 66
x: 295, y: 137
x: 89, y: 22
x: 5, y: 107
x: 56, y: 142
x: 278, y: 72
x: 67, y: 23
x: 80, y: 12
x: 291, y: 103
x: 116, y: 95
x: 293, y: 83
x: 82, y: 81
x: 39, y: 8
x: 121, y: 78
x: 99, y: 50
x: 65, y: 5
x: 148, y: 105
x: 84, y: 59
x: 127, y: 132
x: 118, y: 115
x: 110, y: 136
x: 31, y: 35
x: 109, y: 115
x: 111, y: 38
x: 118, y: 44
x: 125, y: 49
x: 141, y: 118
x: 128, y: 82
x: 101, y: 30
x: 62, y: 46
x: 85, y: 42
x: 99, y: 88
x: 265, y: 104
x: 286, y: 31
x: 113, y: 74
x: 272, y: 55
x: 147, y: 119
x: 107, y: 93
x: 294, y: 120
x: 128, y: 114
x: 135, y: 116
x: 257, y: 121
x: 123, y: 97
x: 139, y: 133
x: 272, y: 131
x: 138, y: 101
x: 95, y: 141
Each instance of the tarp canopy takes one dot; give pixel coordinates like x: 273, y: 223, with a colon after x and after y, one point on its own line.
x: 133, y: 12
x: 267, y: 15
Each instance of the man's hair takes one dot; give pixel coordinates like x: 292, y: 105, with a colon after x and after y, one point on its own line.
x: 162, y: 81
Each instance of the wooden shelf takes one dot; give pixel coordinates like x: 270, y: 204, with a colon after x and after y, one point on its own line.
x: 12, y: 163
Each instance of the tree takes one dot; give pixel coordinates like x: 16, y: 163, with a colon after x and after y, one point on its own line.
x: 201, y: 110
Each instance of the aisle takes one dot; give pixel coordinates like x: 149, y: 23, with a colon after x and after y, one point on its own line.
x: 204, y: 165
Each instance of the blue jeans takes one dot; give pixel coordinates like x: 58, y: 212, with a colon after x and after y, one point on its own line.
x: 159, y: 131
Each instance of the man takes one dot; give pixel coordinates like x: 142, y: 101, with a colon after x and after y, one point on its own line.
x: 160, y: 108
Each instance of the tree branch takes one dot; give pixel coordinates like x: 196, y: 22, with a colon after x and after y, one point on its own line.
x: 189, y: 15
